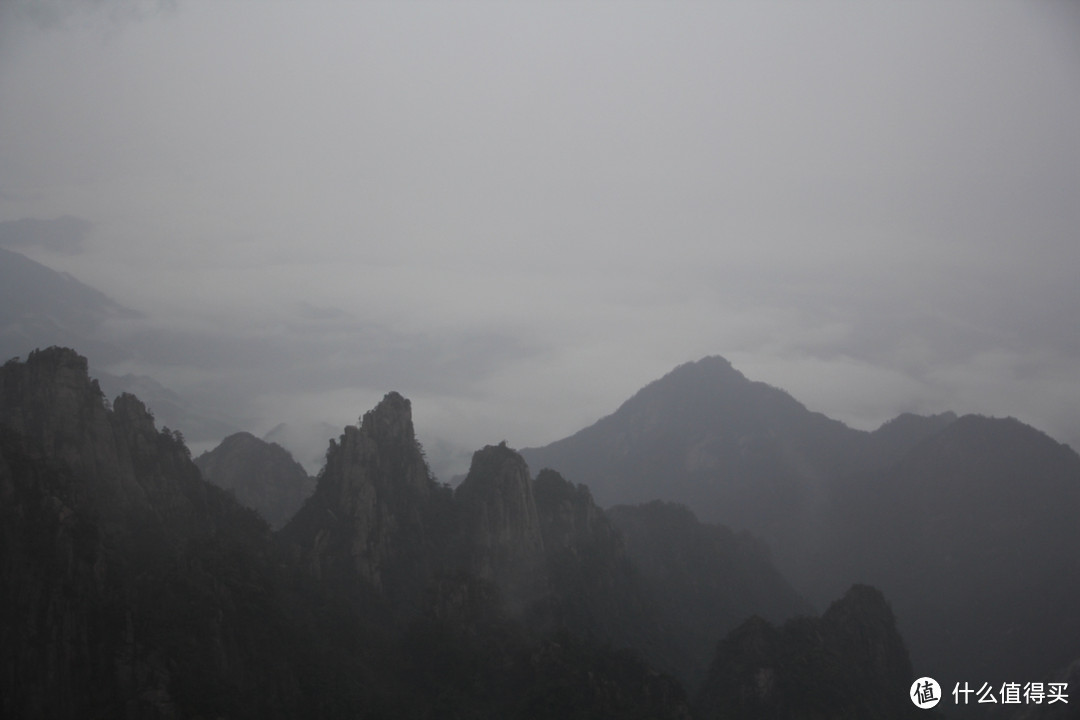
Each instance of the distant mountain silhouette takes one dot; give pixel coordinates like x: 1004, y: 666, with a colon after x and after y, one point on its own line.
x: 40, y: 307
x: 968, y: 524
x: 737, y: 452
x: 262, y: 475
x: 305, y: 441
x: 973, y: 534
x: 130, y: 586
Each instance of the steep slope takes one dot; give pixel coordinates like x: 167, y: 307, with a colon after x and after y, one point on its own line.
x: 130, y: 587
x: 262, y: 475
x: 702, y: 579
x: 968, y: 525
x: 199, y: 424
x: 596, y: 590
x: 739, y: 453
x: 376, y: 515
x: 850, y: 663
x: 503, y: 541
x: 973, y: 535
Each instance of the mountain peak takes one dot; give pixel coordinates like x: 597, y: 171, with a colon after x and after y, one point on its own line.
x: 58, y: 366
x: 391, y: 419
x: 367, y: 518
x: 710, y: 364
x: 262, y: 475
x: 499, y: 508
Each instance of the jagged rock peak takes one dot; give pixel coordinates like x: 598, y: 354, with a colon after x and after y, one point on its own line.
x: 506, y: 543
x: 369, y: 517
x: 495, y: 465
x: 130, y: 411
x: 62, y: 370
x: 391, y: 419
x: 568, y: 516
x: 56, y: 358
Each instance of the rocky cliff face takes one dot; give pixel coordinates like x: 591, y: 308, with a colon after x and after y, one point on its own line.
x: 374, y: 515
x: 503, y: 540
x: 595, y: 588
x: 262, y: 475
x: 126, y: 466
x: 570, y: 520
x: 850, y: 663
x: 122, y: 595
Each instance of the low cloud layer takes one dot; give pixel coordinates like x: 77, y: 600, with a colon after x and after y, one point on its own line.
x: 519, y: 214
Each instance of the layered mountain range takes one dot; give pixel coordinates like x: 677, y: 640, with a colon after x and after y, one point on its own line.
x: 134, y: 587
x: 969, y: 525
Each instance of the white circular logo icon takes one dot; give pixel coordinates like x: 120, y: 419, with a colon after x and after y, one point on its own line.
x: 925, y: 693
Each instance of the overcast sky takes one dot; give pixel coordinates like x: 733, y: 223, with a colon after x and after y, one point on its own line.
x: 517, y: 214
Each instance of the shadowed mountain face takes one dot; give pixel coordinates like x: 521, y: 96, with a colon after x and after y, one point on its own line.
x: 375, y: 516
x: 130, y: 586
x: 714, y: 441
x: 738, y: 452
x: 967, y: 524
x: 849, y: 664
x: 974, y: 536
x: 498, y: 511
x: 262, y: 475
x: 703, y: 578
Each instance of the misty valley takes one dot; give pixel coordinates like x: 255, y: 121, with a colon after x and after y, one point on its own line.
x: 710, y: 550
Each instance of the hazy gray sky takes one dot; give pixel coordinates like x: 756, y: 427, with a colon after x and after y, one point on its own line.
x: 517, y: 214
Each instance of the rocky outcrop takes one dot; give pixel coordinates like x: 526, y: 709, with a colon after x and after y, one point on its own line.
x: 373, y: 516
x: 122, y: 593
x: 595, y: 588
x: 503, y: 542
x: 126, y: 466
x: 850, y: 663
x: 262, y: 475
x: 570, y: 521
